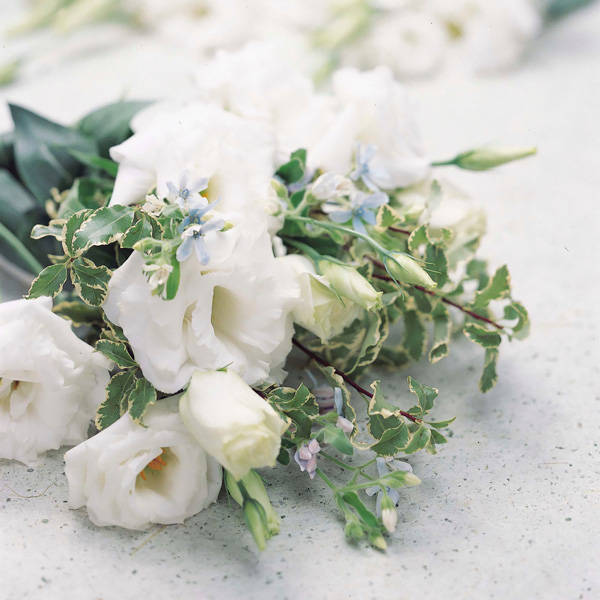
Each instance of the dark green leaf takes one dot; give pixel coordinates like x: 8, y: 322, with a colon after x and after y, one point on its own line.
x: 496, y: 289
x: 482, y: 336
x: 425, y: 397
x: 49, y: 282
x: 117, y: 352
x: 78, y: 313
x: 71, y: 226
x: 104, y: 226
x: 96, y: 162
x: 42, y: 152
x: 116, y: 402
x: 330, y: 434
x: 415, y: 335
x: 109, y: 125
x: 441, y: 333
x: 489, y: 376
x: 142, y: 396
x: 90, y: 281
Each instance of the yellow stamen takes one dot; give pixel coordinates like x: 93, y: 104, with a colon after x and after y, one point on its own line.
x: 156, y: 464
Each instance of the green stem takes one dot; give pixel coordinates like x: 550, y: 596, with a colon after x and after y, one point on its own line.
x: 326, y: 479
x: 339, y: 463
x: 359, y: 486
x: 336, y: 227
x: 17, y: 245
x: 303, y: 204
x: 444, y: 163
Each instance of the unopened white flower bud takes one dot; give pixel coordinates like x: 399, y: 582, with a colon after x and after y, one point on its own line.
x: 407, y: 270
x: 349, y: 283
x: 389, y: 516
x: 483, y: 159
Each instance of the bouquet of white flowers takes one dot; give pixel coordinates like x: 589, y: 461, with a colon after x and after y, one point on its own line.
x: 413, y: 37
x: 194, y: 251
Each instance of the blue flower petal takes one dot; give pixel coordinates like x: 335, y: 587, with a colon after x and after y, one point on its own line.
x: 366, y: 153
x: 359, y: 226
x: 340, y: 216
x: 370, y: 217
x: 376, y: 200
x: 338, y: 401
x: 185, y: 250
x: 201, y: 250
x: 200, y: 212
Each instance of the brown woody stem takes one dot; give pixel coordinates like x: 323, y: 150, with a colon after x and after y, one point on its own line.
x: 343, y: 375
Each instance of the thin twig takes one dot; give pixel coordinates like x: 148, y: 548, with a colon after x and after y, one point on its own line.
x: 442, y: 298
x: 29, y: 497
x: 148, y: 539
x: 343, y: 375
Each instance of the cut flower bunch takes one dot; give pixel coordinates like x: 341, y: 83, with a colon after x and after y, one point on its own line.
x: 415, y: 38
x: 192, y: 244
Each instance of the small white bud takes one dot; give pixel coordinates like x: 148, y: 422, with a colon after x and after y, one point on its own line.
x: 389, y: 516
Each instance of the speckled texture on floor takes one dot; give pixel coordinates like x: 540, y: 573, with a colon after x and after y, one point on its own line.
x: 509, y: 509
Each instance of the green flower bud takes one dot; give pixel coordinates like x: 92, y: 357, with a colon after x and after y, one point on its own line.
x: 256, y: 519
x: 407, y: 270
x: 255, y: 488
x: 398, y: 479
x: 354, y: 530
x: 489, y: 158
x: 376, y: 539
x: 349, y: 283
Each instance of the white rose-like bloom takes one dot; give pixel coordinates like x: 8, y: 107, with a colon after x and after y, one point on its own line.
x: 234, y: 311
x: 320, y: 310
x: 370, y: 108
x: 365, y: 108
x: 258, y: 84
x: 132, y: 475
x: 51, y: 382
x: 234, y: 154
x: 231, y: 421
x: 410, y: 41
x: 493, y: 33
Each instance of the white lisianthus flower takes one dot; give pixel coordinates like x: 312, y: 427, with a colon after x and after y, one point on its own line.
x: 51, y: 382
x: 409, y: 40
x: 491, y: 35
x: 370, y: 109
x: 231, y: 421
x: 132, y: 475
x: 233, y: 311
x: 320, y: 310
x: 233, y: 157
x: 258, y: 84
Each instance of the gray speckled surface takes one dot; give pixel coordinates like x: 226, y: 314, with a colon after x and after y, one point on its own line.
x: 511, y: 507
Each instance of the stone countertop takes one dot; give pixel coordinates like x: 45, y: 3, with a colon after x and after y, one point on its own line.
x: 510, y: 508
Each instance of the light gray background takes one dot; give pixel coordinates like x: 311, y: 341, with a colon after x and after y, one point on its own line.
x: 511, y: 507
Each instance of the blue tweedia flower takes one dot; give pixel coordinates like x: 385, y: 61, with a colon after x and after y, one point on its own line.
x: 193, y: 229
x: 361, y: 209
x: 187, y: 193
x: 363, y: 169
x: 393, y: 494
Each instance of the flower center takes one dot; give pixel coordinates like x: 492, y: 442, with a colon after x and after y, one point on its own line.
x: 185, y: 193
x: 156, y: 464
x: 359, y: 212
